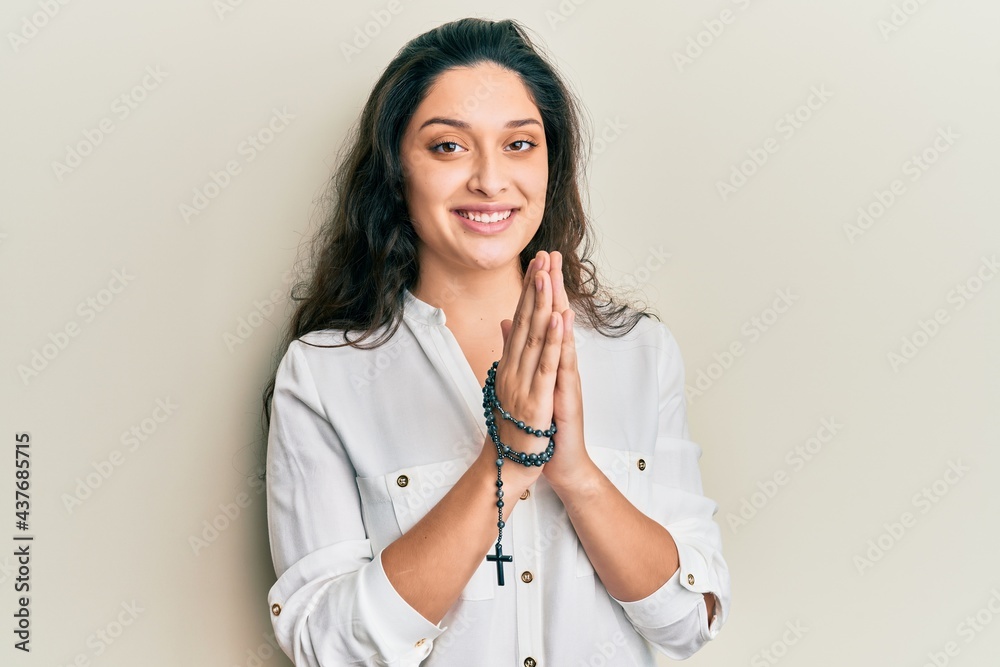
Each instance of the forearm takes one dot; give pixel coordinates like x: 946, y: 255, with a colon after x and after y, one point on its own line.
x: 632, y: 554
x: 458, y: 531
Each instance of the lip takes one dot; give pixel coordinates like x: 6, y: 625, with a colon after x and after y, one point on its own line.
x: 484, y: 228
x: 486, y: 208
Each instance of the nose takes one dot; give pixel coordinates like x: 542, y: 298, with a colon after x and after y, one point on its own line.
x: 489, y: 174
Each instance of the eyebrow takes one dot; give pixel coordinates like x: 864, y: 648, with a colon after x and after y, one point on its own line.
x: 461, y: 124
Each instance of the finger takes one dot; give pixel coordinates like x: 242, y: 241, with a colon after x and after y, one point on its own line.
x: 560, y: 300
x: 546, y: 260
x: 526, y: 278
x: 536, y: 331
x: 544, y: 381
x: 516, y: 333
x: 567, y: 353
x: 505, y: 331
x: 524, y: 315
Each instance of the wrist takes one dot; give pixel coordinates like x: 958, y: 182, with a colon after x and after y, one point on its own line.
x: 582, y: 484
x: 516, y: 477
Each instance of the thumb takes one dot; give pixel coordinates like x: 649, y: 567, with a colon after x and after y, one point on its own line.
x: 505, y: 329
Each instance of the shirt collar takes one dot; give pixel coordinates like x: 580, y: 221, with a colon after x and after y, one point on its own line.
x: 421, y: 311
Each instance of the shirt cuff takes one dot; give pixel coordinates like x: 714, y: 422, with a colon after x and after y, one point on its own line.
x: 402, y: 628
x: 329, y: 585
x: 678, y: 597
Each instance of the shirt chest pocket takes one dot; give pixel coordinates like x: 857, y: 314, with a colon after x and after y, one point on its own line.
x: 393, y: 503
x: 627, y: 470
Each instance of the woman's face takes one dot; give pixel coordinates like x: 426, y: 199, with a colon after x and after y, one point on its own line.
x: 476, y: 142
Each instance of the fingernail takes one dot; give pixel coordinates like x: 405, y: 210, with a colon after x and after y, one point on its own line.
x: 538, y: 283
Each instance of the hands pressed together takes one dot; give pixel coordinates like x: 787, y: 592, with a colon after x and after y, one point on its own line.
x: 537, y: 379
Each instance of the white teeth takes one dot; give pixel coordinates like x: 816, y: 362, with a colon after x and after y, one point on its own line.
x: 486, y: 218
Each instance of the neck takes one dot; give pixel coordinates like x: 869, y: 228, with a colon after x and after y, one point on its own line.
x: 472, y: 300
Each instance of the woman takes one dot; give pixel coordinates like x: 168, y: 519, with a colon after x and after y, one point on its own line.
x: 398, y: 535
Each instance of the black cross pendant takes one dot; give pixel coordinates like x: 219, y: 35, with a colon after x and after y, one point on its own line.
x: 500, y: 560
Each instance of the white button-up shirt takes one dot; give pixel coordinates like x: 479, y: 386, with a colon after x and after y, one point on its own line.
x: 363, y: 443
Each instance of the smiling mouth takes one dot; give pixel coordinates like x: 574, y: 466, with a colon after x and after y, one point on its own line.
x: 486, y: 218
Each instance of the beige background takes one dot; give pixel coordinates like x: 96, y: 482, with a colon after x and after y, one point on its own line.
x: 894, y: 77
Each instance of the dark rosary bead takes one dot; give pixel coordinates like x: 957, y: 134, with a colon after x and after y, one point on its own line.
x: 491, y: 404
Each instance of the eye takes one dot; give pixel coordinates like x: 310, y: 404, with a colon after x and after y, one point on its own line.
x: 524, y: 141
x: 435, y: 147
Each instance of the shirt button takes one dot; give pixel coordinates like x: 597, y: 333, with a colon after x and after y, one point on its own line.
x: 642, y: 464
x: 529, y: 662
x: 691, y: 579
x: 421, y: 642
x: 524, y: 496
x: 402, y: 480
x: 526, y: 577
x: 275, y: 608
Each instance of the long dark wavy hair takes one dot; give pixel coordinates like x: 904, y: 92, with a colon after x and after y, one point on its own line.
x: 364, y: 254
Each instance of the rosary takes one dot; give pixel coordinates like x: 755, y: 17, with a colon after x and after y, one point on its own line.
x: 490, y: 402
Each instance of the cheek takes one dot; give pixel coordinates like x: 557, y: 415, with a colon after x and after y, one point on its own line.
x: 423, y: 181
x: 535, y: 181
x: 416, y: 189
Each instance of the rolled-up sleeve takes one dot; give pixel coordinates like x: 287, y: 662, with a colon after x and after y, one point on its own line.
x: 674, y: 618
x: 332, y: 603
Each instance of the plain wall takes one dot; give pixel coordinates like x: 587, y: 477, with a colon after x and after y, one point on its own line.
x: 805, y: 192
